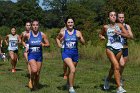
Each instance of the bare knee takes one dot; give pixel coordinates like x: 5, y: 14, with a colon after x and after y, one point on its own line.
x: 116, y: 68
x: 12, y: 58
x: 72, y: 70
x: 34, y: 70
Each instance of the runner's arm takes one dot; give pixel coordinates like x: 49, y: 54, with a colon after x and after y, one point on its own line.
x: 45, y: 41
x: 6, y: 40
x: 102, y: 33
x: 59, y: 38
x: 80, y: 37
x: 130, y: 32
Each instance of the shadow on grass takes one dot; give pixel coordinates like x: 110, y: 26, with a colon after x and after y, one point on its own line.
x: 64, y: 87
x: 17, y: 69
x: 40, y: 86
x: 27, y: 75
x: 61, y: 75
x: 110, y: 90
x: 1, y: 64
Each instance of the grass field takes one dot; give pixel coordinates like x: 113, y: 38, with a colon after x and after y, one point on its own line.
x: 92, y: 68
x: 89, y: 76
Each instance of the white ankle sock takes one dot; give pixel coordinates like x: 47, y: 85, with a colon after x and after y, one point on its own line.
x: 71, y: 87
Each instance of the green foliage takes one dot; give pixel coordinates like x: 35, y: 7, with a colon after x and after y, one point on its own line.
x: 18, y: 13
x: 4, y: 31
x: 89, y: 15
x: 130, y: 8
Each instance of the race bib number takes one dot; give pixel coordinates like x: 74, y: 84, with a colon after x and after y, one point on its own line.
x: 35, y: 49
x: 13, y: 44
x: 70, y: 44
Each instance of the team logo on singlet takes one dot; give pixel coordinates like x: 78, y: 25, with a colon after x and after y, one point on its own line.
x: 13, y: 43
x: 113, y: 37
x: 70, y: 44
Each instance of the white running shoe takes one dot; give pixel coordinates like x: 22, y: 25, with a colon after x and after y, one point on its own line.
x: 71, y: 90
x: 106, y: 84
x: 121, y: 90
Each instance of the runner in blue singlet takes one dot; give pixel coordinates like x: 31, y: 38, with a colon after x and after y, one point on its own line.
x: 36, y: 40
x: 114, y: 31
x: 70, y: 37
x: 124, y: 56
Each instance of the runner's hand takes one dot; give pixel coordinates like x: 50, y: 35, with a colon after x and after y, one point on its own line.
x: 42, y: 44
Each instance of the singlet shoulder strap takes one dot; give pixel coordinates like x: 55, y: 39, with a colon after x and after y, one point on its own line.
x: 9, y: 35
x: 40, y: 34
x: 109, y: 26
x: 65, y: 32
x: 75, y: 31
x: 31, y: 34
x: 17, y: 35
x: 117, y: 26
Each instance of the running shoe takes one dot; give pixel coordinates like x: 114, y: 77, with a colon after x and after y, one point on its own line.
x: 121, y: 90
x: 13, y: 70
x: 30, y: 84
x: 71, y: 90
x: 106, y: 84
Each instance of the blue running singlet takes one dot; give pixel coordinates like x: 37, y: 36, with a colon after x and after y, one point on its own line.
x: 124, y: 39
x: 35, y: 48
x: 26, y: 41
x: 70, y: 46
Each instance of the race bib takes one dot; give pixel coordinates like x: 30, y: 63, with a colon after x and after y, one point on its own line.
x: 13, y: 44
x: 35, y: 49
x: 71, y: 44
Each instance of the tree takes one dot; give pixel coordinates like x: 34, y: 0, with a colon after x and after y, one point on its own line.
x: 130, y: 8
x: 56, y: 10
x: 18, y: 13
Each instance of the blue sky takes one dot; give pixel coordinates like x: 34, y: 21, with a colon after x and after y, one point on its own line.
x: 40, y: 1
x: 14, y: 1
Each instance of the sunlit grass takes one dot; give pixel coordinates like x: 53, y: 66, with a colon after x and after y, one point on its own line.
x: 92, y: 68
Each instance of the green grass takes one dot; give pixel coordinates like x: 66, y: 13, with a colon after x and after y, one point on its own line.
x: 92, y: 68
x: 89, y: 76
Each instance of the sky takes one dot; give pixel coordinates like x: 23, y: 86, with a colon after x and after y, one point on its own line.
x: 40, y: 2
x: 14, y: 1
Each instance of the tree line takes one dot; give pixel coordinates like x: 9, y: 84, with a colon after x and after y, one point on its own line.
x: 89, y: 15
